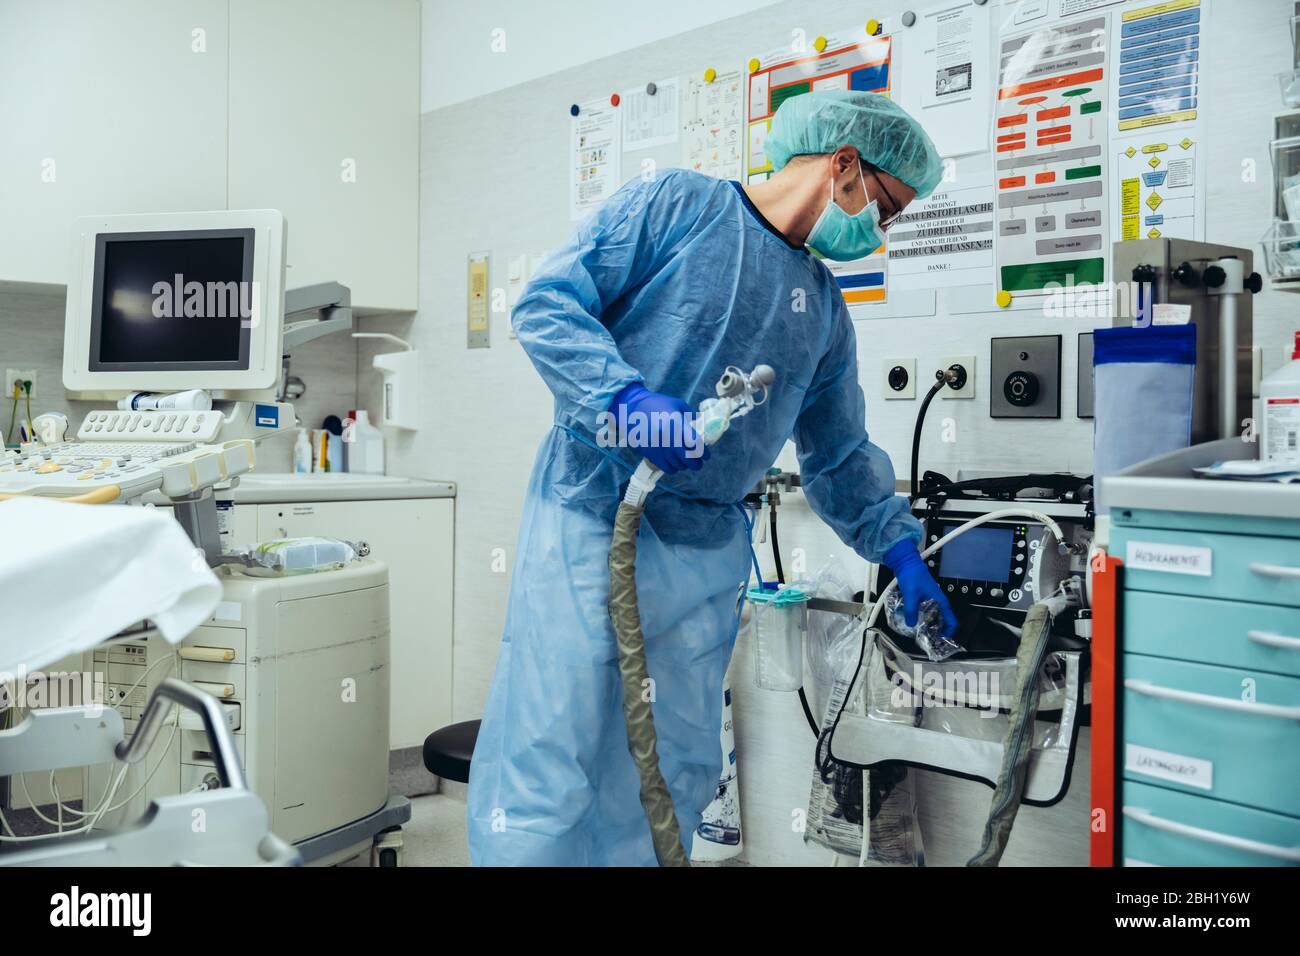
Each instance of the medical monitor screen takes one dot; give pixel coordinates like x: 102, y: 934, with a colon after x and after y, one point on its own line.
x: 172, y: 301
x: 981, y: 554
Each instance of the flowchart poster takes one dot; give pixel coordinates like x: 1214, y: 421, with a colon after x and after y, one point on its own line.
x: 1159, y: 188
x: 849, y: 60
x: 1159, y: 65
x: 1051, y: 158
x: 1159, y: 174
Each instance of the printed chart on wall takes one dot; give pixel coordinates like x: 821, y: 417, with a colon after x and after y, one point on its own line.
x: 1051, y: 156
x: 1158, y: 173
x: 849, y: 60
x: 713, y: 119
x: 595, y: 156
x: 946, y: 239
x: 946, y: 74
x: 649, y: 115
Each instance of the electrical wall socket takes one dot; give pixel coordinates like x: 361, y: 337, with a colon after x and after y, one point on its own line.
x: 898, y: 384
x: 968, y: 363
x: 18, y: 375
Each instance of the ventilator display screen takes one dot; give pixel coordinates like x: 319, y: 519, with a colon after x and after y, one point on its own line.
x: 981, y: 554
x: 172, y: 300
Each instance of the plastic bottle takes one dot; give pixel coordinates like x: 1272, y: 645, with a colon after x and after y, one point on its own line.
x: 366, y: 449
x: 302, y: 453
x: 1279, y: 401
x: 319, y: 451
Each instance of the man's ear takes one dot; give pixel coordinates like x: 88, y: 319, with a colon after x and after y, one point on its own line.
x: 844, y: 159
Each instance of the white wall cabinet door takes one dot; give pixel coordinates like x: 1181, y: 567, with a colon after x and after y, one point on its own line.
x: 324, y: 126
x: 414, y: 537
x: 105, y: 108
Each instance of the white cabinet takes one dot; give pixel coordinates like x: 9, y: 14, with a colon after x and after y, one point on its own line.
x: 311, y: 107
x: 105, y: 108
x: 414, y: 537
x: 324, y: 126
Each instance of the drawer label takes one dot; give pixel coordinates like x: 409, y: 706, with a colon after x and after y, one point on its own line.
x: 1173, y: 558
x: 1161, y: 764
x: 228, y: 611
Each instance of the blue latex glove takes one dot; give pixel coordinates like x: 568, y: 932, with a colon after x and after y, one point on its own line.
x: 916, y: 584
x: 665, y: 435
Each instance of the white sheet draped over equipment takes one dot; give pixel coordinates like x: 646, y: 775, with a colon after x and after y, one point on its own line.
x: 74, y: 575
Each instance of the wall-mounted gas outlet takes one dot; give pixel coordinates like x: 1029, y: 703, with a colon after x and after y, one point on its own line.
x: 967, y: 389
x: 18, y: 375
x: 899, y: 376
x: 1025, y: 378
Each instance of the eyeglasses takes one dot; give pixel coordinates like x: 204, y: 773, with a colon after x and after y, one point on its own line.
x: 885, y: 221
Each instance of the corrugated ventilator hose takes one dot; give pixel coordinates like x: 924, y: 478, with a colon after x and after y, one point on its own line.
x: 625, y: 615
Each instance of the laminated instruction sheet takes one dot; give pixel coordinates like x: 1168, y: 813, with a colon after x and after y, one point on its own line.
x: 1050, y: 155
x: 713, y: 119
x: 1158, y: 179
x: 595, y: 156
x: 650, y: 118
x: 946, y: 239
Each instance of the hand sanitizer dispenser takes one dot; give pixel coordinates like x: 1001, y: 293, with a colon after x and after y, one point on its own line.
x: 401, y: 393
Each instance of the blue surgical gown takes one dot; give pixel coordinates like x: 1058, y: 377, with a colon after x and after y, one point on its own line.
x: 669, y: 282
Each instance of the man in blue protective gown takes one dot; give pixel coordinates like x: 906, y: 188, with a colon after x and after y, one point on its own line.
x: 668, y: 283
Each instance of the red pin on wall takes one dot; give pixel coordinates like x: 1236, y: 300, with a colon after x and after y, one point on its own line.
x: 615, y: 99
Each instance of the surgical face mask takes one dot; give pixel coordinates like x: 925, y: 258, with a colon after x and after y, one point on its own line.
x: 839, y: 236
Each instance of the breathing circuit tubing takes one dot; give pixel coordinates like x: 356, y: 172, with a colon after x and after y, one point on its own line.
x: 735, y: 392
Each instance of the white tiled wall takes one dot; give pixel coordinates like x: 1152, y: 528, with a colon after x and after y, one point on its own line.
x: 31, y: 336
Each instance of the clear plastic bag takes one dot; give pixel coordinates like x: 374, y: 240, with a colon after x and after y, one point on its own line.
x: 849, y: 807
x: 928, y: 631
x: 300, y: 555
x: 969, y: 699
x: 834, y: 641
x: 894, y: 830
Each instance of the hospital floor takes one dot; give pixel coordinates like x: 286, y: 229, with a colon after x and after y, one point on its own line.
x: 435, y: 835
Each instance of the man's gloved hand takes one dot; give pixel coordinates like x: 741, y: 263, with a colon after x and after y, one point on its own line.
x: 659, y: 427
x: 915, y: 583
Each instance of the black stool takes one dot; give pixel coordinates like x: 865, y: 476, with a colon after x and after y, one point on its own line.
x: 447, y: 751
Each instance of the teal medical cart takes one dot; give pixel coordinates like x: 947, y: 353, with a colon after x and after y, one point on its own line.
x: 1208, y: 729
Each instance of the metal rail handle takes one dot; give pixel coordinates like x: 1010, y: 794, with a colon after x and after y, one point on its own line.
x: 172, y: 691
x: 1147, y: 818
x: 1210, y: 700
x: 1270, y: 639
x: 1275, y: 570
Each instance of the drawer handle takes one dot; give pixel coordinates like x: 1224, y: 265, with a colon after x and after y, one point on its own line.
x: 1275, y: 570
x: 1147, y: 818
x: 214, y: 688
x: 1270, y: 639
x: 220, y: 655
x: 1209, y: 700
